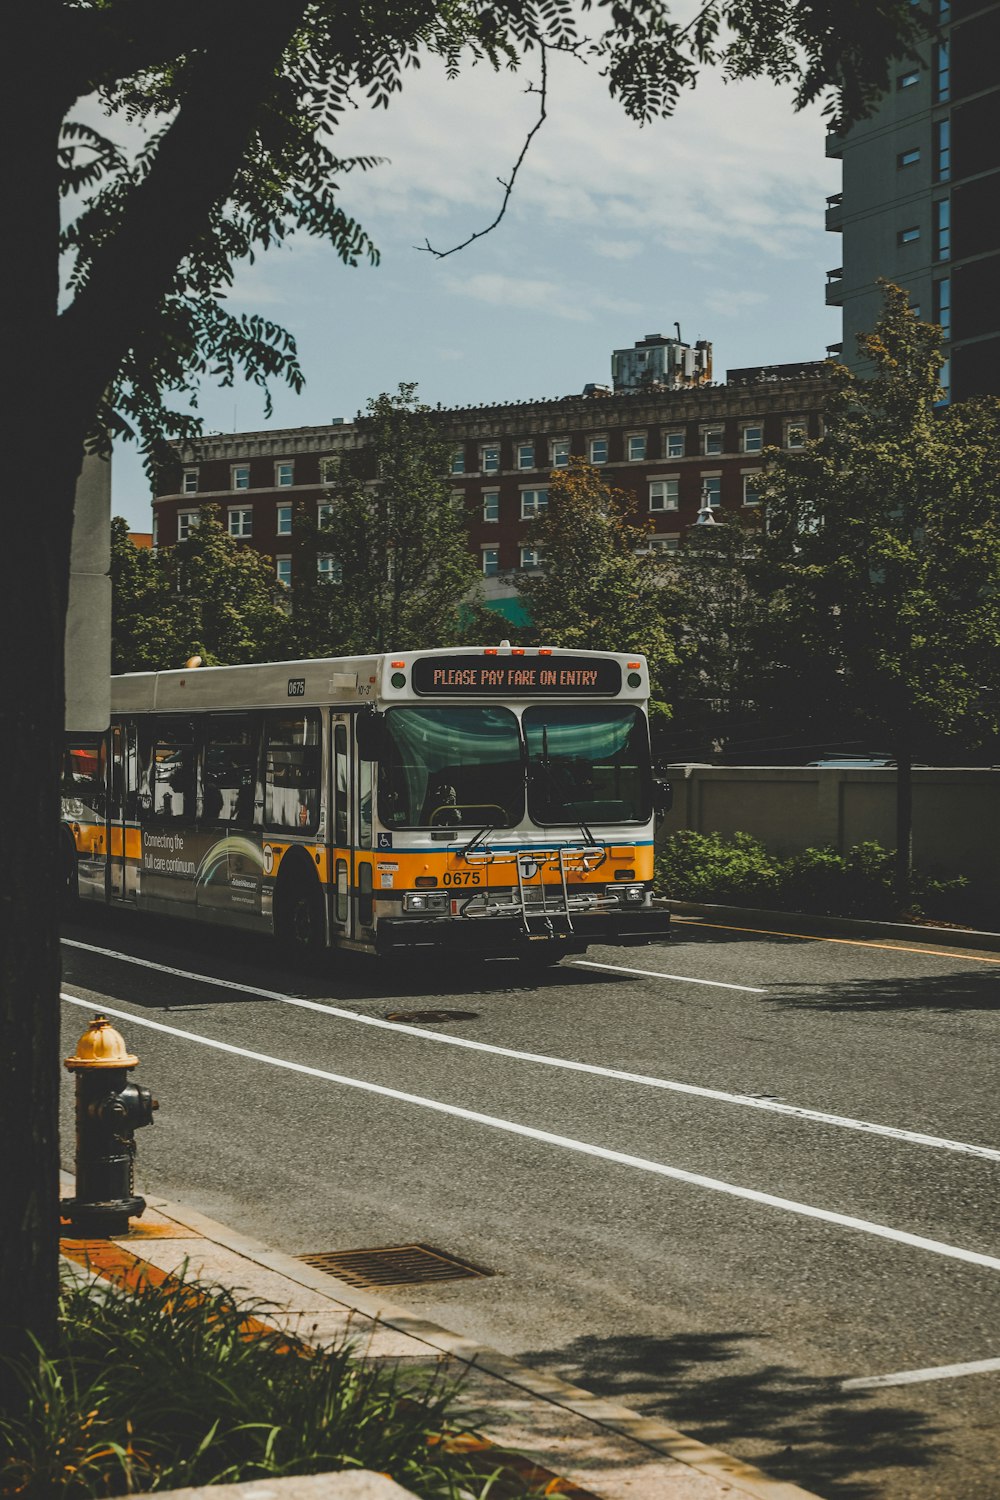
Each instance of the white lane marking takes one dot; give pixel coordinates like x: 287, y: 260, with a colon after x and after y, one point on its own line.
x: 715, y: 984
x: 568, y: 1143
x: 916, y: 1377
x: 747, y: 1101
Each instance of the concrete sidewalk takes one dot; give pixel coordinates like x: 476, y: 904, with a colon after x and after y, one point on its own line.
x: 561, y: 1437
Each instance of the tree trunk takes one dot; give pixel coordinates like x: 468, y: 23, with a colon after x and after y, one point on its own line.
x: 903, y: 872
x: 42, y: 458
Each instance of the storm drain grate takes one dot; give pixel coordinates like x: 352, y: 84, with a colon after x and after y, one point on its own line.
x: 393, y: 1265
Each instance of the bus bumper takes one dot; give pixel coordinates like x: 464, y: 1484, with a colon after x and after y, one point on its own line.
x: 505, y: 935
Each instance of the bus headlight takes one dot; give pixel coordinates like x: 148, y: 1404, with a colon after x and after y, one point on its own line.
x: 634, y: 894
x: 429, y: 901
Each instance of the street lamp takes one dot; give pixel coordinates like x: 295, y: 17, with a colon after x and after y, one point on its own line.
x: 705, y: 516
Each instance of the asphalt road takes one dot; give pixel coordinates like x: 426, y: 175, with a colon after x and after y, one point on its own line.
x: 675, y: 1238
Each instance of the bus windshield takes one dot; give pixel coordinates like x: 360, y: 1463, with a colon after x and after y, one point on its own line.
x: 587, y: 765
x: 451, y: 768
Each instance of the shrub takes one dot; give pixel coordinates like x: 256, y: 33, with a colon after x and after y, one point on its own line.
x: 706, y: 867
x: 166, y: 1386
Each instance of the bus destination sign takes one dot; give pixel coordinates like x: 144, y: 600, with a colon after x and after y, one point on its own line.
x: 516, y: 676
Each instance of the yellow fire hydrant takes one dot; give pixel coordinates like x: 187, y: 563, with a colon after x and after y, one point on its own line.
x: 109, y: 1109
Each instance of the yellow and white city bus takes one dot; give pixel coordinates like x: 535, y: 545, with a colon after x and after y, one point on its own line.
x: 487, y: 799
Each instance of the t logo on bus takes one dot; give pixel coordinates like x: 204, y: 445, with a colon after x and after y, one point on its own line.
x: 528, y: 867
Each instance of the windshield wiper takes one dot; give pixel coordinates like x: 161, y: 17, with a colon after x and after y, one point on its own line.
x: 477, y: 838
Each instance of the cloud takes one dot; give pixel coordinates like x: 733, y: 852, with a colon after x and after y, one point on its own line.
x: 559, y: 299
x: 734, y: 302
x: 734, y: 166
x: 616, y: 249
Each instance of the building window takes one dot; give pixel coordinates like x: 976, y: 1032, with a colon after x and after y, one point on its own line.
x: 284, y: 475
x: 324, y: 513
x: 908, y: 235
x: 662, y: 544
x: 533, y: 502
x: 241, y: 476
x: 942, y: 229
x: 942, y: 150
x: 944, y: 380
x: 491, y: 505
x: 525, y: 455
x: 458, y: 461
x: 942, y: 305
x: 711, y: 489
x: 328, y: 567
x: 636, y: 447
x: 283, y: 571
x: 457, y: 499
x: 187, y: 521
x: 753, y: 439
x: 156, y: 531
x: 190, y: 482
x: 241, y: 523
x: 908, y: 158
x: 750, y: 492
x: 491, y: 562
x: 490, y: 459
x: 942, y: 73
x: 712, y: 440
x: 664, y: 494
x: 599, y: 450
x: 795, y: 434
x: 531, y: 558
x: 560, y: 453
x: 673, y: 445
x: 284, y: 520
x: 907, y: 80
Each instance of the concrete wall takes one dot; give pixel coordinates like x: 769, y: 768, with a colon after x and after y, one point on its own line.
x: 88, y: 620
x: 956, y: 812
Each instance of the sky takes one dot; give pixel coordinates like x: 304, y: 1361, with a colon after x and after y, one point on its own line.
x: 712, y: 219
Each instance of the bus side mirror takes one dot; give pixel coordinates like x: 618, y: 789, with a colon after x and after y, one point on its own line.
x: 371, y: 734
x: 663, y: 797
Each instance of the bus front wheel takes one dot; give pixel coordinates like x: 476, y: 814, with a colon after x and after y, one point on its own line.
x: 298, y: 914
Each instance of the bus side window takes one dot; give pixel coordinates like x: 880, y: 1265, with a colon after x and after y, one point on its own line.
x: 173, y: 789
x: 340, y: 785
x: 83, y: 778
x: 229, y: 770
x: 292, y: 772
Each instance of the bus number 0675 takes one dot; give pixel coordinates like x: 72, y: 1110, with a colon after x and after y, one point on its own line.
x: 461, y: 877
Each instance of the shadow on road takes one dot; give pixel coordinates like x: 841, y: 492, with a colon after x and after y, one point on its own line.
x: 835, y: 1443
x: 943, y: 994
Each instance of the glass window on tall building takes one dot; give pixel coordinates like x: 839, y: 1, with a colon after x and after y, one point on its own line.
x: 942, y: 73
x: 942, y: 229
x: 942, y: 305
x: 942, y: 150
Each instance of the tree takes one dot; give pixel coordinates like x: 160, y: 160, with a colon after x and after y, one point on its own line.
x: 206, y: 597
x: 884, y: 546
x: 239, y: 102
x: 601, y: 586
x: 402, y: 565
x: 720, y: 622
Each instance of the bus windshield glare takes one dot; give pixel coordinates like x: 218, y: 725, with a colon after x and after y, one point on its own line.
x: 464, y: 767
x: 451, y: 768
x: 587, y: 764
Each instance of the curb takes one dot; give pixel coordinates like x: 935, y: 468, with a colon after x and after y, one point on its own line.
x: 757, y: 917
x: 648, y: 1432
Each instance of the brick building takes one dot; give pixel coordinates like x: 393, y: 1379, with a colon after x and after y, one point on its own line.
x: 674, y: 442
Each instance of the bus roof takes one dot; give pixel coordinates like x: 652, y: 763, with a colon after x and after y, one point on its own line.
x: 335, y: 680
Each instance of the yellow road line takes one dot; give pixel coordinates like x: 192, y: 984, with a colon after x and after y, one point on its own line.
x: 815, y: 937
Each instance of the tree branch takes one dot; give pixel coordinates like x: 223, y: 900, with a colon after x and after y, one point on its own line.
x: 193, y: 170
x: 508, y: 186
x: 101, y: 46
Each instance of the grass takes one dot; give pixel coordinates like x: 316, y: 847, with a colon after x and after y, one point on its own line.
x: 159, y: 1387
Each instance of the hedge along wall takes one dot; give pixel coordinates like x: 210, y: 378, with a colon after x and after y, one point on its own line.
x: 956, y: 812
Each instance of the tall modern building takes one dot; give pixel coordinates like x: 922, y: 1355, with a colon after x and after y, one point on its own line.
x: 920, y: 203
